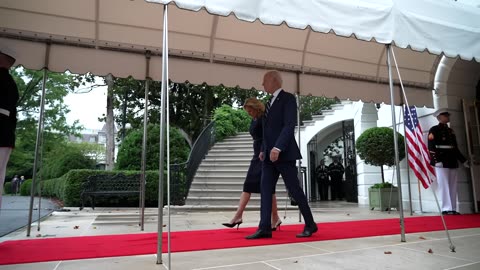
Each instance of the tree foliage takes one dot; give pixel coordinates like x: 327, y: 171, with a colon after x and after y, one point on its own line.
x: 311, y: 105
x: 65, y: 157
x: 29, y: 83
x: 130, y: 152
x: 191, y: 106
x: 376, y: 147
x: 229, y: 121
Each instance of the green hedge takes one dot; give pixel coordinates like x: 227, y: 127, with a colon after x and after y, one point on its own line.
x: 7, y: 188
x: 68, y: 188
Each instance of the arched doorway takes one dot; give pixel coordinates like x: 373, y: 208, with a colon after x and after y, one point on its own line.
x: 334, y: 141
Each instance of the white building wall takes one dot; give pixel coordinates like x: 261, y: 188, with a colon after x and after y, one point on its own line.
x: 365, y: 117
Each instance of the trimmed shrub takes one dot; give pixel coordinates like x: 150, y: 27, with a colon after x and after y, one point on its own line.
x: 130, y: 152
x: 229, y: 121
x: 7, y: 188
x: 376, y: 147
x: 26, y: 187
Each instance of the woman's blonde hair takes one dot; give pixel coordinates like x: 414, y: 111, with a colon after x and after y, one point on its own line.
x: 255, y: 104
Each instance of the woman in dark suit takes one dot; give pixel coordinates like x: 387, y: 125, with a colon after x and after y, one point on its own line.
x: 255, y: 109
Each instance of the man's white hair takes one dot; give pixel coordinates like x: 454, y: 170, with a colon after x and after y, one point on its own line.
x: 275, y: 74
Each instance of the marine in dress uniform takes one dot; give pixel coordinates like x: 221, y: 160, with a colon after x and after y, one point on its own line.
x: 336, y: 170
x: 444, y: 156
x: 8, y: 111
x: 321, y: 173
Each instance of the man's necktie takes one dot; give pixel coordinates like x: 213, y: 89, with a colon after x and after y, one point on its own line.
x: 267, y: 107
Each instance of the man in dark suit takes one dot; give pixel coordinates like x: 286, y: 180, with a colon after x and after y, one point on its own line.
x: 279, y: 152
x: 322, y: 180
x: 335, y: 171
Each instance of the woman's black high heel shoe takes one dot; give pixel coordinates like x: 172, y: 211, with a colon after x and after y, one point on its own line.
x: 277, y: 225
x: 231, y: 225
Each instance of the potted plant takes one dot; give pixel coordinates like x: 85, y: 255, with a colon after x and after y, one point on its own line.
x: 375, y: 146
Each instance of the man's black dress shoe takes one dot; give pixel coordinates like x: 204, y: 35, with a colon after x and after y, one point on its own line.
x: 308, y: 231
x: 260, y: 234
x: 453, y: 213
x: 445, y: 212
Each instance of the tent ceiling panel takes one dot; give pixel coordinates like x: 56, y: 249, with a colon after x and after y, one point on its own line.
x: 342, y: 66
x: 133, y: 13
x: 33, y: 53
x: 52, y: 25
x: 262, y: 35
x: 260, y: 53
x: 360, y: 90
x: 228, y: 75
x: 71, y: 9
x: 114, y: 34
x: 348, y: 48
x: 102, y: 61
x: 197, y: 23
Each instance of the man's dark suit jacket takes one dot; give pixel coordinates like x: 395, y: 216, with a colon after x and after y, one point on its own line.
x: 279, y: 128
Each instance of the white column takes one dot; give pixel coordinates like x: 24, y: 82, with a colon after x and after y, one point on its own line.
x: 365, y: 117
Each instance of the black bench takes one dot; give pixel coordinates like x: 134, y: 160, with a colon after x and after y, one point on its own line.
x: 109, y: 185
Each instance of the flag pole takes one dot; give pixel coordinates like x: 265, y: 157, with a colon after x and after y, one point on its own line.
x: 452, y: 246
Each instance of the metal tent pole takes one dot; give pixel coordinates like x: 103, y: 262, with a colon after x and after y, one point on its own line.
x: 167, y: 110
x: 143, y: 178
x: 299, y: 143
x: 452, y: 246
x: 397, y: 162
x: 162, y: 133
x: 38, y: 140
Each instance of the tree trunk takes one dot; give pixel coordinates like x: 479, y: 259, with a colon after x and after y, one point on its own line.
x: 110, y: 127
x: 207, y: 106
x: 383, y: 178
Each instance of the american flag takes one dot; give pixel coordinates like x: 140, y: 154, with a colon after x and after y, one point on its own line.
x: 418, y: 157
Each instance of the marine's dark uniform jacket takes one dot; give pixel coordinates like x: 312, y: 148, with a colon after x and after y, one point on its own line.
x: 322, y: 173
x: 442, y: 145
x: 336, y: 171
x: 8, y: 108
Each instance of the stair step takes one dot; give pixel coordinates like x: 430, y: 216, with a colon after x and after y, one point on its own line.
x: 244, y: 138
x: 226, y: 179
x: 226, y: 151
x: 254, y: 200
x: 225, y: 166
x: 224, y: 173
x: 309, y: 123
x: 228, y: 145
x: 318, y: 117
x: 208, y: 208
x: 202, y: 193
x: 226, y: 160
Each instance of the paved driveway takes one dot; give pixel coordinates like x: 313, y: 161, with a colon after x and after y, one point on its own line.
x: 14, y: 212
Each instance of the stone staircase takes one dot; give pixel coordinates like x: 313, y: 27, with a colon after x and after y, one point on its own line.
x: 218, y: 183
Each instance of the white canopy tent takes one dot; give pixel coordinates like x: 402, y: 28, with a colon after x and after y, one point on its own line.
x: 323, y: 47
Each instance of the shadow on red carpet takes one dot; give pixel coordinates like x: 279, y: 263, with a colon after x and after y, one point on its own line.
x: 70, y: 248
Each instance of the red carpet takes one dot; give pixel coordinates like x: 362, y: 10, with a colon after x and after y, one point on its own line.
x: 69, y: 248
